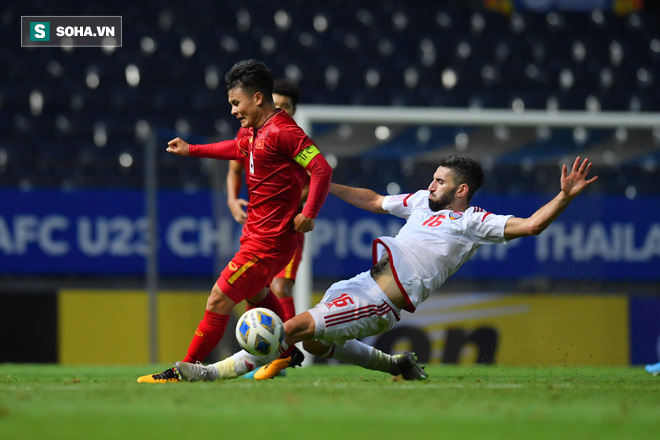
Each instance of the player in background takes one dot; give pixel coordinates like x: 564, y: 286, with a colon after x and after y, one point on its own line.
x: 442, y: 231
x: 286, y: 94
x: 279, y: 158
x: 654, y: 369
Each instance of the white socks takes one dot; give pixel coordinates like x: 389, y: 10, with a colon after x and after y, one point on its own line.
x: 242, y: 362
x: 351, y: 351
x: 363, y: 355
x: 226, y: 369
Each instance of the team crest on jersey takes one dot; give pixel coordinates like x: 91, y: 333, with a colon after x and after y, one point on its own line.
x: 260, y: 144
x: 232, y: 266
x: 455, y: 215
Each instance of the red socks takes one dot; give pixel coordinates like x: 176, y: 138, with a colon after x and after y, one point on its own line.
x: 211, y: 329
x: 289, y: 307
x: 208, y: 334
x: 273, y: 303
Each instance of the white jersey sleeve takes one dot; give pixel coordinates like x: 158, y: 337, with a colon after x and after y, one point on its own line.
x: 401, y: 205
x: 485, y: 227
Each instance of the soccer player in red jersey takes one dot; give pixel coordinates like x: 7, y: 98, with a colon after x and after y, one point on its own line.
x: 285, y: 96
x: 279, y: 156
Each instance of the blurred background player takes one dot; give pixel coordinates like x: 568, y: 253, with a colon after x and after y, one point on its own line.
x: 286, y: 94
x: 280, y: 157
x: 442, y: 232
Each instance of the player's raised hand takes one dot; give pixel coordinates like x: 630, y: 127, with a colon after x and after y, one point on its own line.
x: 572, y: 184
x: 179, y: 147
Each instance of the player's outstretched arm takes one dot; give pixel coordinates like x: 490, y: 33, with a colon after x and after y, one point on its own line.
x: 361, y: 197
x: 571, y: 185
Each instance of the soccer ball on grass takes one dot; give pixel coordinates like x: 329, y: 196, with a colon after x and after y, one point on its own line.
x: 260, y: 331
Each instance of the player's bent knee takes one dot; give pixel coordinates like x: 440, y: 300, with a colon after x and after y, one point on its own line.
x: 281, y: 287
x: 219, y: 302
x: 259, y: 296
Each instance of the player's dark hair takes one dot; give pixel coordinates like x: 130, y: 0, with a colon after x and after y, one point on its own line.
x: 253, y: 76
x: 286, y: 87
x: 465, y: 170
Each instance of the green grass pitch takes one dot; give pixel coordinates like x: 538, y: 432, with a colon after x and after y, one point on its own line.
x: 332, y: 402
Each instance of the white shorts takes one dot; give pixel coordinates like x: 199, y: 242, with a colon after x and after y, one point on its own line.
x: 352, y: 309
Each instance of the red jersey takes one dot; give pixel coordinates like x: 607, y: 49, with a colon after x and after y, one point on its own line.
x: 243, y: 132
x: 245, y: 162
x: 274, y: 179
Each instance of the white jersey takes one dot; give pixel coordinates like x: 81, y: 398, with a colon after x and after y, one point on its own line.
x: 431, y: 246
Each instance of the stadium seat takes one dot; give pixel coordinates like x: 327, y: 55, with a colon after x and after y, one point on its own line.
x: 357, y: 54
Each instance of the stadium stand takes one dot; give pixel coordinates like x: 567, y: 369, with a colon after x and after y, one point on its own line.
x: 78, y: 117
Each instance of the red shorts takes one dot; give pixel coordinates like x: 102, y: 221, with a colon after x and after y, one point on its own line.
x: 291, y: 269
x: 252, y: 269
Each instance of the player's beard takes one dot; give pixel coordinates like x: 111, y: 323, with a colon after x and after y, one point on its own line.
x: 443, y: 202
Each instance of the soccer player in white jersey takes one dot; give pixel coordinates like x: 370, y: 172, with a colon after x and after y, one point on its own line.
x: 442, y: 232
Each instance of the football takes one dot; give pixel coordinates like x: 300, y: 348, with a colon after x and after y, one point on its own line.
x: 260, y: 331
